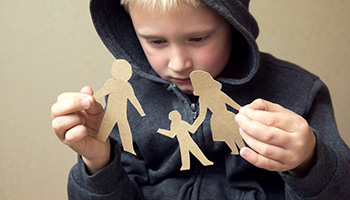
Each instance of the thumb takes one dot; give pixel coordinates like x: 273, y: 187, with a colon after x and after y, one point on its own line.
x: 86, y: 90
x: 93, y: 106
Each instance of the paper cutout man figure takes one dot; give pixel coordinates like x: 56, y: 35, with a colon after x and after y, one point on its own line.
x: 120, y: 91
x: 222, y: 122
x: 179, y: 128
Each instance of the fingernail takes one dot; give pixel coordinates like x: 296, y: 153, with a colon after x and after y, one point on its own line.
x: 85, y: 103
x: 245, y: 154
x: 238, y: 118
x: 242, y: 110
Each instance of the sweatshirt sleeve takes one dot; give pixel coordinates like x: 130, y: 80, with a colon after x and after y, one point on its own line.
x: 111, y: 182
x: 329, y: 177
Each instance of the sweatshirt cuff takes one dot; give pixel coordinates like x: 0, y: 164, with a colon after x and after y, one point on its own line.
x: 104, y: 181
x: 318, y: 177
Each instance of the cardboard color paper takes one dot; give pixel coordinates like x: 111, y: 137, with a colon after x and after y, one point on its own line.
x: 120, y: 91
x: 179, y: 128
x: 222, y: 122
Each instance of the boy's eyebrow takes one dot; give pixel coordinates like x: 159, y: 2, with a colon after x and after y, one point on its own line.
x: 147, y: 35
x: 189, y: 33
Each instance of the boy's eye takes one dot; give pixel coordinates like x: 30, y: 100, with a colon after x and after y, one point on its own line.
x: 198, y: 39
x: 157, y: 41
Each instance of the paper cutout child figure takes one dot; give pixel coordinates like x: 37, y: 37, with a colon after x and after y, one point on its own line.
x: 179, y: 128
x: 120, y: 91
x: 222, y: 122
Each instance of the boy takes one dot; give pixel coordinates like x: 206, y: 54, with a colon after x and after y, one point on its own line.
x: 293, y: 148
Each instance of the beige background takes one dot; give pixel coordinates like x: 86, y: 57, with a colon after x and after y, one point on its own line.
x: 48, y: 47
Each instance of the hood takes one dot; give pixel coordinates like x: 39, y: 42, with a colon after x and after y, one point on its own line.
x: 114, y: 26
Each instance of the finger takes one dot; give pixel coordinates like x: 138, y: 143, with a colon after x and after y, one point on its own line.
x: 261, y: 132
x: 264, y: 149
x: 261, y: 161
x: 61, y: 124
x: 260, y: 104
x: 87, y: 90
x: 72, y: 105
x: 75, y: 134
x: 281, y: 120
x: 70, y: 95
x: 96, y: 108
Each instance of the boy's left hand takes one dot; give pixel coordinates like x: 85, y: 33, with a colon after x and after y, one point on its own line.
x: 280, y: 140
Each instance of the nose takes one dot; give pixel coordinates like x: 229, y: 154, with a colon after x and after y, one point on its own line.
x: 179, y: 60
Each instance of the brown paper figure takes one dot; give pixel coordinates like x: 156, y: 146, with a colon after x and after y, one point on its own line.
x: 120, y: 91
x: 179, y: 128
x: 222, y: 122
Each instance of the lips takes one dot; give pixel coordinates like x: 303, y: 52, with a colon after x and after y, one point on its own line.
x: 182, y: 80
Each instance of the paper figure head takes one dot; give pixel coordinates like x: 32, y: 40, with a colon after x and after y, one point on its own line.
x: 121, y: 70
x: 174, y: 115
x: 203, y: 82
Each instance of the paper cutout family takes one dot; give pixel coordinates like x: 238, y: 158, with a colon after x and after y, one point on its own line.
x: 210, y: 96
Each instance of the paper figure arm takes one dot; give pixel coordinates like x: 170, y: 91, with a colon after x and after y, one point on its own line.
x: 166, y: 132
x: 106, y: 89
x: 135, y: 102
x: 202, y: 113
x: 231, y: 102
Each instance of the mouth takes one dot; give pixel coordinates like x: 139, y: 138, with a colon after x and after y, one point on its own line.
x: 182, y: 80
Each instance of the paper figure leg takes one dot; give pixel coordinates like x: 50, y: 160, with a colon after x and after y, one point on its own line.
x: 185, y: 159
x: 106, y: 126
x: 237, y: 137
x: 197, y: 152
x: 231, y: 143
x: 239, y: 142
x: 126, y: 137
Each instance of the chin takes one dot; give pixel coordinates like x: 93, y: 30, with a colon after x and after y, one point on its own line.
x: 187, y: 91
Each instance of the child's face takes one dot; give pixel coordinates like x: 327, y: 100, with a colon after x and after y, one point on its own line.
x: 178, y: 42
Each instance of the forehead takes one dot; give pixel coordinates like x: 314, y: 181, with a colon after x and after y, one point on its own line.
x: 187, y: 18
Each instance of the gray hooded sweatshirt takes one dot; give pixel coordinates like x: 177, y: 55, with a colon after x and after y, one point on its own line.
x: 154, y: 173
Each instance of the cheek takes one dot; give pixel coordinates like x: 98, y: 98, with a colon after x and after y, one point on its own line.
x: 213, y: 60
x: 158, y: 62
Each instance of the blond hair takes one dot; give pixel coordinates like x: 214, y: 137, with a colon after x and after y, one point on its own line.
x: 163, y: 5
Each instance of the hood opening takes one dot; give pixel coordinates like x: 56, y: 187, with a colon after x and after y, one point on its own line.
x: 115, y: 28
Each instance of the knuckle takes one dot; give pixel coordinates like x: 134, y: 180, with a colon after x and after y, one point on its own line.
x: 271, y: 121
x: 76, y: 101
x: 299, y: 145
x: 268, y: 165
x: 304, y: 126
x: 265, y: 151
x: 66, y: 142
x: 75, y: 134
x: 61, y: 97
x: 259, y: 101
x: 269, y: 136
x: 54, y: 110
x: 56, y: 124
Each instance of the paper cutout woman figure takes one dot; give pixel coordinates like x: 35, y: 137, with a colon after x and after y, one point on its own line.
x: 179, y: 128
x: 222, y: 122
x: 120, y: 91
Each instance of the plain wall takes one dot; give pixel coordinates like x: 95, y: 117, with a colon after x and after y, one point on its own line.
x: 49, y: 47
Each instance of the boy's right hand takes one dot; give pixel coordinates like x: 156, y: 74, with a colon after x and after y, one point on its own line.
x: 76, y: 119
